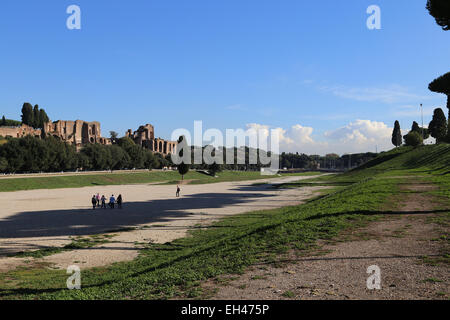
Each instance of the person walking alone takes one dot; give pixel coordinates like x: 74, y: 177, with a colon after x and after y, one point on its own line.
x: 178, y: 191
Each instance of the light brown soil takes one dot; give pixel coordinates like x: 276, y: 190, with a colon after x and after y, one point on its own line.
x: 396, y: 244
x: 40, y: 219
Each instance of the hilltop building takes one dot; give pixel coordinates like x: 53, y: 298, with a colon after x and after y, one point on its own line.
x: 78, y: 133
x: 81, y: 133
x: 145, y: 137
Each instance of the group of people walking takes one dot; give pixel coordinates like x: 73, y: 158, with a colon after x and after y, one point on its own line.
x: 100, y: 202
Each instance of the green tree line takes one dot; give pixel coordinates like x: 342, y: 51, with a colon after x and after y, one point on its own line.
x: 30, y: 154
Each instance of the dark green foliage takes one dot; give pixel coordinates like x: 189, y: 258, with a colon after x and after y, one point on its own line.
x: 114, y: 136
x: 30, y: 154
x: 438, y: 125
x: 27, y: 114
x: 36, y: 117
x: 397, y: 135
x: 3, y: 164
x: 214, y: 168
x: 423, y: 132
x: 183, y: 168
x: 9, y: 123
x: 33, y: 116
x: 43, y: 118
x: 440, y: 10
x: 442, y: 85
x: 415, y: 127
x: 413, y: 139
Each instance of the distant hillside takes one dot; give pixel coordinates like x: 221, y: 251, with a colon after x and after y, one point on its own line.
x: 9, y: 123
x: 429, y: 159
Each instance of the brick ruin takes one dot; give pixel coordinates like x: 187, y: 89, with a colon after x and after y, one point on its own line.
x: 81, y: 133
x: 78, y: 133
x: 145, y: 137
x: 19, y: 132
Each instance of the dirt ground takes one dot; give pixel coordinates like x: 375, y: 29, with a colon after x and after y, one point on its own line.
x: 40, y: 219
x: 395, y: 244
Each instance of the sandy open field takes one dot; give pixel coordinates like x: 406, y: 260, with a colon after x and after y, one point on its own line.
x: 31, y: 220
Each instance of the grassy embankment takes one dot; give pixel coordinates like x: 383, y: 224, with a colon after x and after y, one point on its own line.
x: 176, y: 269
x: 89, y: 180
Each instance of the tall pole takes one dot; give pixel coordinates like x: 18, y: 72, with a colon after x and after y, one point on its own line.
x: 423, y: 135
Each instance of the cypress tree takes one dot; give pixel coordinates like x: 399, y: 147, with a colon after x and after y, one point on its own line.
x: 397, y: 134
x: 27, y: 114
x: 36, y: 117
x: 43, y: 118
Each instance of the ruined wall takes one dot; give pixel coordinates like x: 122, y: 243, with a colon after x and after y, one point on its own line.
x: 19, y: 132
x: 145, y: 137
x: 76, y: 132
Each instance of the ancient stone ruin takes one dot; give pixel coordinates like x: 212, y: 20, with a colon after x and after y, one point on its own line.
x: 81, y: 133
x: 145, y: 137
x: 19, y: 132
x: 78, y: 133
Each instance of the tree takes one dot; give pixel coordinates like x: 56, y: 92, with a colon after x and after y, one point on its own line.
x: 43, y: 118
x: 440, y: 10
x: 438, y: 125
x: 27, y: 114
x: 413, y: 139
x: 113, y: 135
x: 3, y: 164
x: 183, y: 168
x: 214, y: 168
x: 3, y: 123
x: 397, y: 135
x: 422, y: 131
x: 36, y: 117
x: 442, y: 85
x: 415, y: 127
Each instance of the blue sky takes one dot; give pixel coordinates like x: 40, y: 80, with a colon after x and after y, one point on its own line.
x: 281, y: 64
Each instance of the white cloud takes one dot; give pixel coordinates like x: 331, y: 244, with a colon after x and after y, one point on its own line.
x: 361, y: 136
x: 390, y: 94
x: 357, y: 136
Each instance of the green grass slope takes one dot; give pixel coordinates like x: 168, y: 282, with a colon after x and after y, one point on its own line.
x: 423, y: 160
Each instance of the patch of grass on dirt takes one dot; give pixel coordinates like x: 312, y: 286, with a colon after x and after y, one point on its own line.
x: 288, y: 294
